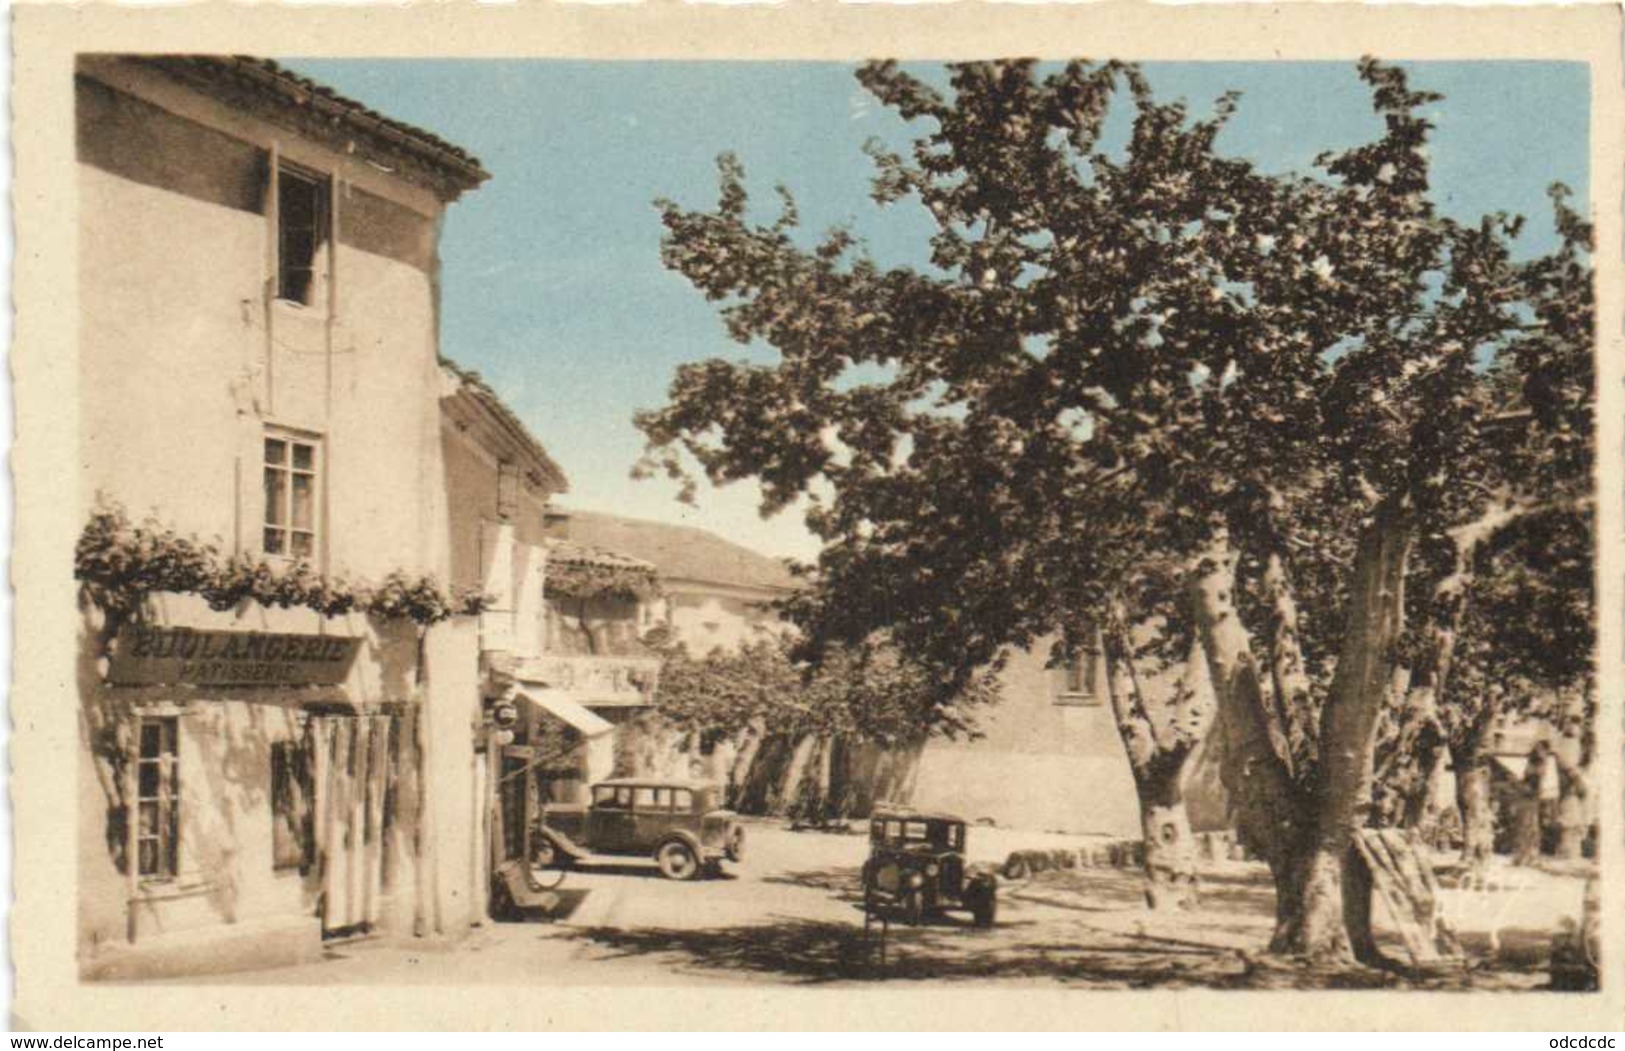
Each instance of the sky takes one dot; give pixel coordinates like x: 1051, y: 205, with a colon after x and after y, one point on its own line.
x: 552, y: 285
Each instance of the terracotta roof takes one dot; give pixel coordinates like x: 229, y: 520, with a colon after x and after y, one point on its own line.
x: 678, y: 552
x: 320, y: 101
x: 467, y: 395
x: 571, y: 553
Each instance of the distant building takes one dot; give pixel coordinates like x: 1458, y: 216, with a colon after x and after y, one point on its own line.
x: 714, y: 592
x: 257, y: 368
x: 1050, y: 756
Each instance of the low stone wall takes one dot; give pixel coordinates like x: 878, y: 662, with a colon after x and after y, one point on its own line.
x: 1118, y: 853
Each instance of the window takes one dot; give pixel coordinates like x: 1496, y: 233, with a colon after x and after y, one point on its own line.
x: 157, y: 797
x: 683, y: 800
x: 301, y: 212
x: 292, y: 824
x: 614, y: 797
x: 1074, y: 681
x: 644, y: 798
x: 290, y: 496
x: 507, y: 490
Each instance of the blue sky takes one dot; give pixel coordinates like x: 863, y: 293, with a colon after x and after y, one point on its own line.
x: 553, y: 288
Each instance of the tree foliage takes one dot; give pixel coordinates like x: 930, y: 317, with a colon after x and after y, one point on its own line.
x: 873, y: 695
x: 1280, y: 411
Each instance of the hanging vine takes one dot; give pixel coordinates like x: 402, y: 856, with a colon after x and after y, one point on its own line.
x: 609, y: 577
x: 119, y: 563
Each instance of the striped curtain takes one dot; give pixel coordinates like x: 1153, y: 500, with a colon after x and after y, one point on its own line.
x: 352, y: 777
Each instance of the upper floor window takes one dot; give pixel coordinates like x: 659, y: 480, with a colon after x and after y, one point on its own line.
x: 301, y: 212
x: 507, y: 490
x: 291, y: 464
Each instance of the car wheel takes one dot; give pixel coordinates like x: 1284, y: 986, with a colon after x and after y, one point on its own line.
x: 736, y: 845
x: 677, y: 860
x: 544, y: 853
x: 984, y: 908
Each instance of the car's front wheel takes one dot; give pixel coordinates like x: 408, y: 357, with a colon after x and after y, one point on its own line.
x: 984, y: 906
x: 677, y: 860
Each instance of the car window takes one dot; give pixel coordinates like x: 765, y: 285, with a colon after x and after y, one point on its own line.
x: 894, y: 830
x: 682, y: 799
x: 662, y: 799
x: 914, y: 829
x: 644, y: 798
x: 623, y: 798
x: 604, y: 796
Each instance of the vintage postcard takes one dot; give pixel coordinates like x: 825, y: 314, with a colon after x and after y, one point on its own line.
x: 683, y: 517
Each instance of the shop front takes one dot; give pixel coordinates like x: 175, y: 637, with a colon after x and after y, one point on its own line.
x: 252, y: 784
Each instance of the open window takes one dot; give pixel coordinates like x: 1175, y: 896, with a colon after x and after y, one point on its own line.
x: 302, y: 208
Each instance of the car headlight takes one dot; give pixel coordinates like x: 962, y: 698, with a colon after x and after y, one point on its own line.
x: 915, y: 879
x: 932, y: 869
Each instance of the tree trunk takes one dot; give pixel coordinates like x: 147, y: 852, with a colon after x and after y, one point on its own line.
x: 1170, y: 848
x: 1274, y: 817
x: 1348, y: 738
x: 1157, y: 761
x: 789, y: 782
x: 1473, y: 799
x: 1420, y: 813
x: 746, y: 747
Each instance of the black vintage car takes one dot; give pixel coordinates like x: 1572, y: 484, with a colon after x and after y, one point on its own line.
x: 916, y: 867
x: 678, y: 823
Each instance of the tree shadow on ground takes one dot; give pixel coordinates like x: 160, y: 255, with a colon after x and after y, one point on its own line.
x: 641, y: 870
x: 845, y: 879
x: 810, y: 952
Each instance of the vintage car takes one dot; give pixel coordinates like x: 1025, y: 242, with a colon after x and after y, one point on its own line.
x: 916, y: 867
x: 678, y: 823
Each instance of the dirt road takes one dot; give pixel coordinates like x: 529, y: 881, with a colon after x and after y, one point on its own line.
x: 790, y: 914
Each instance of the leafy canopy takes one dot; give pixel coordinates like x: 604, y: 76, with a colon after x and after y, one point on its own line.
x: 1115, y: 356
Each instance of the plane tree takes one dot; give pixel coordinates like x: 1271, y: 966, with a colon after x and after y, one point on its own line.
x: 1137, y: 383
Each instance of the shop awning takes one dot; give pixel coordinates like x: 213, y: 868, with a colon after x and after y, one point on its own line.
x: 561, y: 705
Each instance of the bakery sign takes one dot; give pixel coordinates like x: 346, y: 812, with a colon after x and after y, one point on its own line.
x: 147, y: 656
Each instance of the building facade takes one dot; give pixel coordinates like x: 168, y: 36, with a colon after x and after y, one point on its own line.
x: 561, y: 668
x: 713, y: 592
x: 1049, y: 756
x: 276, y: 731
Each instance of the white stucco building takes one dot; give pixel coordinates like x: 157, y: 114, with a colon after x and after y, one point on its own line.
x: 258, y: 369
